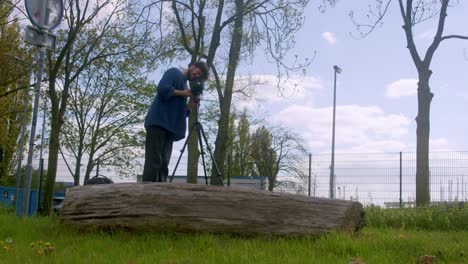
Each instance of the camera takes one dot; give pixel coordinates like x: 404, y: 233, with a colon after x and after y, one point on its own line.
x: 197, y: 86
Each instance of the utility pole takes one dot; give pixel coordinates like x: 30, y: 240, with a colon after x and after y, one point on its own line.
x: 336, y: 70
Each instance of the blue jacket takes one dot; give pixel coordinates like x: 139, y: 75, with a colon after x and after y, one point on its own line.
x: 168, y: 111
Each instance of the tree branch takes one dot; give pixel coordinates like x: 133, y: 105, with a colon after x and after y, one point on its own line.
x: 454, y: 37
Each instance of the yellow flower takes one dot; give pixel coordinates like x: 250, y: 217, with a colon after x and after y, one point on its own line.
x: 32, y: 244
x: 402, y: 237
x: 47, y: 244
x: 40, y: 252
x: 6, y: 248
x: 39, y: 242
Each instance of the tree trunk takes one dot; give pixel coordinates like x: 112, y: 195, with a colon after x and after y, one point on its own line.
x: 76, y: 176
x: 193, y: 153
x: 58, y: 107
x: 422, y: 142
x: 225, y: 101
x: 191, y: 207
x: 54, y: 144
x: 89, y: 168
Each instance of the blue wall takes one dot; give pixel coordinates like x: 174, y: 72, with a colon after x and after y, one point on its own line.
x: 7, y: 194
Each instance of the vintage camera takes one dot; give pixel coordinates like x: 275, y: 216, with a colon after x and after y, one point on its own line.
x: 197, y: 86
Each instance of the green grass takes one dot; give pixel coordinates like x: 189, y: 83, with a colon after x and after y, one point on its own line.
x: 387, y: 244
x: 425, y: 218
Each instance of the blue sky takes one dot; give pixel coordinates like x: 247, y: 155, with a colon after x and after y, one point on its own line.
x: 376, y: 95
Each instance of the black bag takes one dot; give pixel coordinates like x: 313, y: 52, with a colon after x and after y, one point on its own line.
x: 99, y: 180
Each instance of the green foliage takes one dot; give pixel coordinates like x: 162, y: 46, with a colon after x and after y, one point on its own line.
x: 106, y: 111
x: 240, y: 145
x: 46, y: 240
x: 14, y: 80
x: 441, y: 217
x: 263, y: 154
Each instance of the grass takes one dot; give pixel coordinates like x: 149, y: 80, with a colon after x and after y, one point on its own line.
x: 451, y: 218
x: 24, y: 241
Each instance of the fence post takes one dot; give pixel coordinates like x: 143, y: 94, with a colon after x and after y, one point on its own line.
x: 97, y: 169
x: 229, y: 170
x: 401, y: 178
x: 39, y: 187
x: 310, y: 171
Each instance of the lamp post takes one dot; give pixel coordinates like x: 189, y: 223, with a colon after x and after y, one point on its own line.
x: 336, y: 70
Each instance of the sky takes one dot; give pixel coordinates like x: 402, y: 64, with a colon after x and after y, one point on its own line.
x: 376, y: 91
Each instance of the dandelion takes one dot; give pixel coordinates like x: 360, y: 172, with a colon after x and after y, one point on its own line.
x: 47, y: 244
x: 32, y: 244
x: 402, y: 237
x: 6, y: 248
x: 40, y: 252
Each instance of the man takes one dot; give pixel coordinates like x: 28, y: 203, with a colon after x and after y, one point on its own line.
x: 166, y: 119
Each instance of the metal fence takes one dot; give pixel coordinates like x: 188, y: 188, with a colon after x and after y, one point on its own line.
x: 385, y: 179
x: 388, y: 179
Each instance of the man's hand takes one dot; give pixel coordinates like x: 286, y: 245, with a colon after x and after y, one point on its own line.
x: 184, y: 93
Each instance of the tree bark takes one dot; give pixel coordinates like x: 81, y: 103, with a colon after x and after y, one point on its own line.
x: 225, y: 100
x: 422, y: 143
x: 193, y: 152
x: 191, y: 207
x: 54, y: 145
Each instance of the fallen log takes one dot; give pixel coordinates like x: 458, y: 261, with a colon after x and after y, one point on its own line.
x: 191, y: 207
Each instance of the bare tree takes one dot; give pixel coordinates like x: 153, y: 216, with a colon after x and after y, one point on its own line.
x: 224, y: 33
x: 414, y: 12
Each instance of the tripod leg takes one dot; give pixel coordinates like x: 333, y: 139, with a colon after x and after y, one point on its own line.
x: 202, y: 151
x: 202, y: 132
x: 181, y: 153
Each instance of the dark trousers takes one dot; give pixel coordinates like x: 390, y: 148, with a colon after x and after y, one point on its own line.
x: 158, y: 150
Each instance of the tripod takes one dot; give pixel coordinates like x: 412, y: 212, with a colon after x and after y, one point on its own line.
x: 201, y: 137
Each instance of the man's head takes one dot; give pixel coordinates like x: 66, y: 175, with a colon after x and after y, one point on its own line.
x: 196, y: 70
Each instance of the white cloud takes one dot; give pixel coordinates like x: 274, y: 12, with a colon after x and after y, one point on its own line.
x: 439, y: 144
x: 402, y: 87
x: 358, y: 128
x: 329, y: 37
x: 268, y: 93
x: 426, y: 35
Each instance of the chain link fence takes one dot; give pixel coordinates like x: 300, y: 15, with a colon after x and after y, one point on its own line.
x: 388, y: 179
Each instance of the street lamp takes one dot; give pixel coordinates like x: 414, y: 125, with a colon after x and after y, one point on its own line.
x: 22, y: 129
x: 337, y: 70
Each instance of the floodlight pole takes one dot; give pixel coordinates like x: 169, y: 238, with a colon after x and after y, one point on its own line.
x: 27, y: 177
x: 337, y: 70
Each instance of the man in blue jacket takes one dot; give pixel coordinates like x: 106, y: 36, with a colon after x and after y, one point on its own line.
x: 166, y: 118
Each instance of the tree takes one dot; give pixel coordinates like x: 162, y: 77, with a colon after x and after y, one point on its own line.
x: 277, y: 150
x: 107, y: 104
x: 225, y: 32
x: 263, y: 155
x: 103, y: 19
x: 242, y: 164
x: 413, y: 12
x: 14, y: 81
